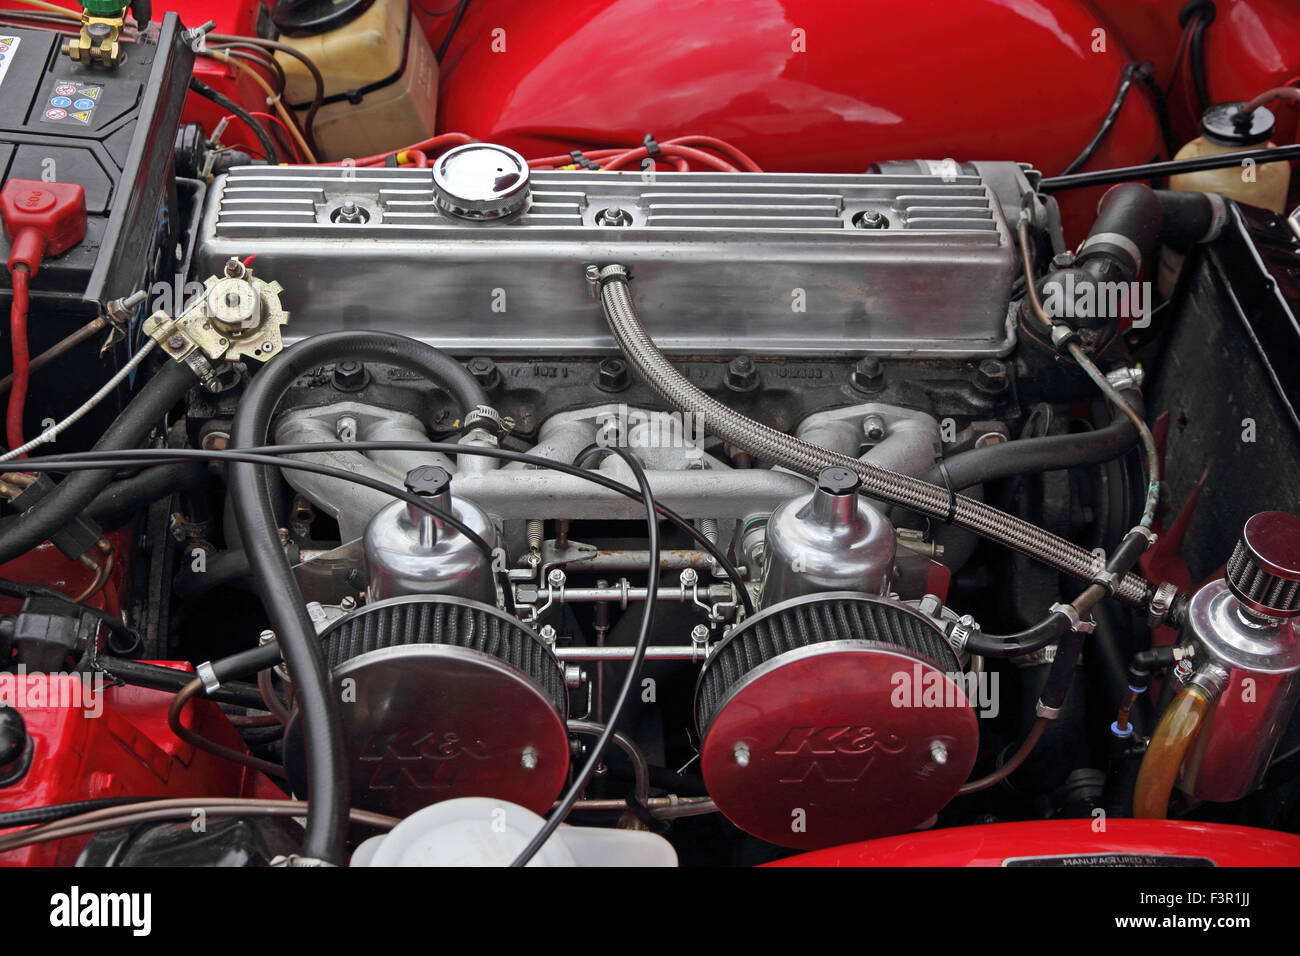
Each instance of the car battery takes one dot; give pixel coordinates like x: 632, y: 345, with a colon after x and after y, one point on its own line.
x: 110, y: 130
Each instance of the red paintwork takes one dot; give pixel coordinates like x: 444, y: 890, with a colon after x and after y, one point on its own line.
x: 47, y: 565
x: 125, y: 750
x: 993, y: 844
x: 982, y: 79
x: 1252, y: 46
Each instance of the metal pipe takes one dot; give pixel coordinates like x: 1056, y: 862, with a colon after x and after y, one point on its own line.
x: 640, y: 769
x: 666, y: 653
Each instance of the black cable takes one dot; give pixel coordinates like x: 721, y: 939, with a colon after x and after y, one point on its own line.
x: 1130, y: 72
x: 139, y: 457
x: 226, y: 103
x: 1124, y: 174
x: 29, y: 816
x: 451, y: 31
x: 20, y: 533
x: 22, y: 589
x: 1196, y: 61
x: 629, y: 680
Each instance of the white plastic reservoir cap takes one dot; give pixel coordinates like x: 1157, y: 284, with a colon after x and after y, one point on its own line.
x: 480, y: 831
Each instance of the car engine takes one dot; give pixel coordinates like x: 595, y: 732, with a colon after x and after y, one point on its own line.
x: 677, y: 482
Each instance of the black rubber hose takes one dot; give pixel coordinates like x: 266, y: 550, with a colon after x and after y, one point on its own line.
x: 219, y: 568
x: 327, y: 772
x: 1032, y: 456
x: 115, y: 505
x: 20, y: 533
x: 157, y: 677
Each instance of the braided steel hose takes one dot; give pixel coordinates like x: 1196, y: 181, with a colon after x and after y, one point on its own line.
x: 778, y: 448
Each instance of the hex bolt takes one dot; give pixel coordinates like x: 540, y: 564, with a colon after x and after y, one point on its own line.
x: 484, y: 371
x: 873, y: 427
x: 612, y: 375
x: 528, y: 759
x: 349, y: 375
x: 741, y: 754
x: 614, y: 216
x: 176, y: 342
x: 742, y: 374
x: 547, y: 635
x: 700, y: 634
x: 868, y: 375
x: 346, y: 429
x: 871, y: 219
x: 689, y: 577
x: 556, y: 578
x: 991, y: 376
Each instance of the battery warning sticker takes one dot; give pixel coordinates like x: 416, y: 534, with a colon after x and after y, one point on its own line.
x: 8, y: 48
x: 71, y: 101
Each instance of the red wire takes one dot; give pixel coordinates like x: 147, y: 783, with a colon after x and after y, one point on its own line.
x: 18, y: 331
x: 288, y: 136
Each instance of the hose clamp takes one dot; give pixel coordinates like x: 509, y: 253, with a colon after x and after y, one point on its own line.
x: 1120, y: 242
x: 1162, y: 602
x: 1045, y: 712
x: 485, y: 415
x: 1211, y: 678
x: 1218, y: 218
x: 294, y: 859
x: 959, y: 634
x: 208, y: 676
x: 612, y: 273
x: 1107, y: 579
x: 1077, y: 623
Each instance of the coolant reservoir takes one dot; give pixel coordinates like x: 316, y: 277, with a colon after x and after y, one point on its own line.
x: 381, y: 79
x: 1225, y: 129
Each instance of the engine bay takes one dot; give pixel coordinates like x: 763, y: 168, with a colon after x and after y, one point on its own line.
x: 421, y: 458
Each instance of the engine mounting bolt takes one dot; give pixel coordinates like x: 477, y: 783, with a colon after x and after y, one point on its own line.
x: 991, y: 376
x: 349, y: 375
x: 741, y: 753
x: 612, y: 375
x: 528, y: 759
x: 484, y: 371
x: 873, y: 427
x: 868, y: 375
x: 742, y: 374
x: 613, y: 216
x: 871, y: 219
x: 938, y: 751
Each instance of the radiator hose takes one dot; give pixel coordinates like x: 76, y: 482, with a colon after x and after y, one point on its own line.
x: 327, y: 772
x: 769, y: 445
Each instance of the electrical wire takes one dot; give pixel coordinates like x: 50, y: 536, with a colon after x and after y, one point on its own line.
x: 230, y: 106
x: 272, y: 98
x: 52, y: 8
x: 57, y: 429
x: 274, y: 455
x: 318, y: 79
x: 629, y: 680
x: 20, y: 278
x: 150, y: 811
x: 451, y: 30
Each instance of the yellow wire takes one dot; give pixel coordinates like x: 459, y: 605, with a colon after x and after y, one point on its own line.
x: 53, y: 8
x: 271, y: 98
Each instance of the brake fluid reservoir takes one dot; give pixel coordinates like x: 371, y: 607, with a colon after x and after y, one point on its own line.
x: 381, y: 78
x: 830, y: 540
x: 409, y: 551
